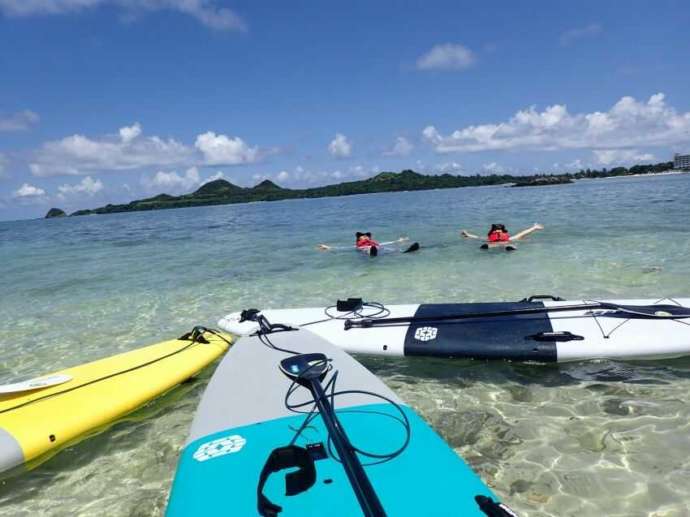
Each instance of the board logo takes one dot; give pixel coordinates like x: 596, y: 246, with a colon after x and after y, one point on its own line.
x: 425, y: 333
x: 219, y: 447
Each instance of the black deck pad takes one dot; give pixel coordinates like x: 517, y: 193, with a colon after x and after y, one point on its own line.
x: 504, y: 337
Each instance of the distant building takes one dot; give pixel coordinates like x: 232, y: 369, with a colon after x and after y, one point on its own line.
x: 681, y: 161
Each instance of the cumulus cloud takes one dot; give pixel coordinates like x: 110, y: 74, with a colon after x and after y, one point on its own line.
x: 80, y: 155
x: 217, y: 176
x: 225, y: 150
x: 88, y: 186
x: 578, y: 33
x: 493, y: 168
x: 620, y: 156
x: 448, y: 56
x: 402, y: 147
x: 449, y: 167
x: 340, y: 147
x: 20, y: 121
x: 172, y: 182
x: 207, y: 12
x: 27, y: 191
x: 627, y: 124
x: 129, y: 133
x: 283, y: 176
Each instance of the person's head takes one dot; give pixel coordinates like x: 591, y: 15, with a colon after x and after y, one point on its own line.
x: 497, y: 228
x: 362, y: 235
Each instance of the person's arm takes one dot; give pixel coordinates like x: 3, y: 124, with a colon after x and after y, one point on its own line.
x: 323, y: 247
x: 526, y: 232
x: 468, y: 235
x: 401, y: 239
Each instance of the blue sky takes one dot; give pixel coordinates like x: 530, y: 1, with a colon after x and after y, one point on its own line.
x: 110, y: 100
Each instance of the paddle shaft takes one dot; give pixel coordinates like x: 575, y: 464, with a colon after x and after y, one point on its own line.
x: 367, y: 323
x: 368, y: 500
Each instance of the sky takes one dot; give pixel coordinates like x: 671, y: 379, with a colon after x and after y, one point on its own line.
x: 106, y: 101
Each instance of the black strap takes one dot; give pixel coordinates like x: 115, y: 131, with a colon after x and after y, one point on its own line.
x: 295, y: 482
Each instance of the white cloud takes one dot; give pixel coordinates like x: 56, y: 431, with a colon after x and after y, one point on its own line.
x: 207, y: 12
x: 493, y: 168
x: 340, y: 147
x: 628, y: 123
x: 172, y: 182
x: 27, y: 191
x: 224, y: 150
x: 129, y: 149
x: 129, y: 133
x: 448, y: 56
x: 80, y: 155
x: 575, y: 165
x: 620, y: 156
x: 588, y: 31
x: 20, y: 121
x: 449, y: 167
x: 402, y: 147
x: 283, y: 176
x: 87, y: 186
x: 217, y: 176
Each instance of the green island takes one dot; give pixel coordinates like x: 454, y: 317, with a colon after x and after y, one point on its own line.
x: 221, y: 192
x: 55, y: 212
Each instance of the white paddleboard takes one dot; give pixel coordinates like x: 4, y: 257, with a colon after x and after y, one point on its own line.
x: 548, y: 335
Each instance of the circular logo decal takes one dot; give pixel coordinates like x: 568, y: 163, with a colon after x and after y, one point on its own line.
x: 219, y: 447
x: 425, y: 333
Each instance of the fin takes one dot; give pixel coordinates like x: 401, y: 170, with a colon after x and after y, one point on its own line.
x: 511, y: 248
x: 484, y: 247
x: 373, y: 251
x: 413, y: 247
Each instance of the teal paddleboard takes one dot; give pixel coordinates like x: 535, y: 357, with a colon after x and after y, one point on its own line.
x: 243, y: 417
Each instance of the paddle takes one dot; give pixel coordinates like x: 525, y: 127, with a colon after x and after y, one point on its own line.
x: 308, y: 370
x: 634, y: 311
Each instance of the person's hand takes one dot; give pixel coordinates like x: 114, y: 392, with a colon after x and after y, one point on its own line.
x: 403, y: 239
x: 323, y: 247
x: 538, y: 226
x: 464, y: 233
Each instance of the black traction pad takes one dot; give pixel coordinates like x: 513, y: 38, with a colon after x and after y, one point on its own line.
x: 504, y: 337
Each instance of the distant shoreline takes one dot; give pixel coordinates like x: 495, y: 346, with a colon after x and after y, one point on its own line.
x: 666, y: 173
x: 222, y: 192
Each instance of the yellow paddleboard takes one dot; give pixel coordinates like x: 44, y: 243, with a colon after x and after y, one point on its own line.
x: 41, y: 421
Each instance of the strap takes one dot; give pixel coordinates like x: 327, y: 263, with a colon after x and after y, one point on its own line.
x: 295, y: 482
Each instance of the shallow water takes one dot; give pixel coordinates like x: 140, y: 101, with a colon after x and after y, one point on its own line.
x: 598, y: 438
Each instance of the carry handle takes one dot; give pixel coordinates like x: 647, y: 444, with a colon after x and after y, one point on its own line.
x: 537, y: 297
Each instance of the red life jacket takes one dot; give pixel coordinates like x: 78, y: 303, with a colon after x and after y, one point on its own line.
x: 498, y: 237
x: 366, y: 242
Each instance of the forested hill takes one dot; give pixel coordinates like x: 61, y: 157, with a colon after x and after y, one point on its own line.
x: 220, y: 192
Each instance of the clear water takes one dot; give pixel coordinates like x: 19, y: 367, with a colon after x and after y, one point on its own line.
x: 598, y: 438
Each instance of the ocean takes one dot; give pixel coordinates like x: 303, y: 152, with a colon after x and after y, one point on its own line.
x: 593, y: 438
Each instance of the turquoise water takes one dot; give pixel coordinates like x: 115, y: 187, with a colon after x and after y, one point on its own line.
x: 580, y: 439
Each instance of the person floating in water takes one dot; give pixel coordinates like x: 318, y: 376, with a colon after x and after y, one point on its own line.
x: 365, y: 243
x: 499, y: 236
